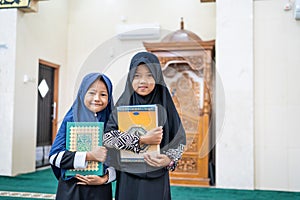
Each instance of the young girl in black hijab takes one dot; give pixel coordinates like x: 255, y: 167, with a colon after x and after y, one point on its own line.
x: 148, y: 180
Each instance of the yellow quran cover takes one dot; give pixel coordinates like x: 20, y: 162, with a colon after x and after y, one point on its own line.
x: 139, y: 119
x: 82, y: 137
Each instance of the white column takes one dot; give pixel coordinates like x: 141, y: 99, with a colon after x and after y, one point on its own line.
x: 234, y: 63
x: 8, y: 23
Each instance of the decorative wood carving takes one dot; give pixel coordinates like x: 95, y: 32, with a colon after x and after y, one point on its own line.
x: 187, y: 69
x: 187, y: 165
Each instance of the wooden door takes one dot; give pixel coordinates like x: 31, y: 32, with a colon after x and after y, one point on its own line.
x: 47, y: 109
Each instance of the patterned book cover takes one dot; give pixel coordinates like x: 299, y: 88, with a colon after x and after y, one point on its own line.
x: 139, y: 119
x: 81, y: 137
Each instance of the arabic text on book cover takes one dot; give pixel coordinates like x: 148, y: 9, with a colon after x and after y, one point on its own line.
x: 83, y: 137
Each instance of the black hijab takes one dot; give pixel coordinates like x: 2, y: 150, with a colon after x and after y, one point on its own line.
x: 173, y: 132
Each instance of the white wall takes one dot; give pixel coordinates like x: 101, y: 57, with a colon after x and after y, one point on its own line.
x: 8, y: 24
x: 234, y: 63
x: 92, y: 32
x: 36, y: 36
x: 277, y: 97
x: 40, y: 35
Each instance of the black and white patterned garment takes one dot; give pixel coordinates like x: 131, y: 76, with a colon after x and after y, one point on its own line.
x: 76, y: 160
x: 126, y: 141
x: 68, y: 160
x: 174, y: 155
x: 122, y: 141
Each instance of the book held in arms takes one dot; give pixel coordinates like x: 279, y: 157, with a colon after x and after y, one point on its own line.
x: 83, y: 137
x: 137, y: 119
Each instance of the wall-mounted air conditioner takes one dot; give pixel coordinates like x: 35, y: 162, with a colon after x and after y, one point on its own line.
x: 138, y: 31
x: 297, y: 10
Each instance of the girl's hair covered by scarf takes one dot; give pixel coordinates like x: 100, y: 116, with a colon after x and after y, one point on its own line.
x: 173, y: 132
x: 80, y: 113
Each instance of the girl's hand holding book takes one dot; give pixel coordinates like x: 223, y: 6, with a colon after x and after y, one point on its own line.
x: 97, y: 154
x: 91, y: 179
x: 157, y: 160
x: 154, y: 136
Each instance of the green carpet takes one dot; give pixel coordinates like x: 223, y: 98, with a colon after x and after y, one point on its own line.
x: 43, y: 181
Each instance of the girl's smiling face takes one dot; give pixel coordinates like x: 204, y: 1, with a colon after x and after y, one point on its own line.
x: 96, y: 98
x: 143, y: 82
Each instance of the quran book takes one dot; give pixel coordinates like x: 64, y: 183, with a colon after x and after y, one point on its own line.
x: 83, y: 137
x: 137, y: 119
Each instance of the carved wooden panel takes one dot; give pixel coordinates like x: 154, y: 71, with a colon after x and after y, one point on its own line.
x: 192, y: 141
x: 186, y: 85
x: 187, y: 69
x: 188, y: 165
